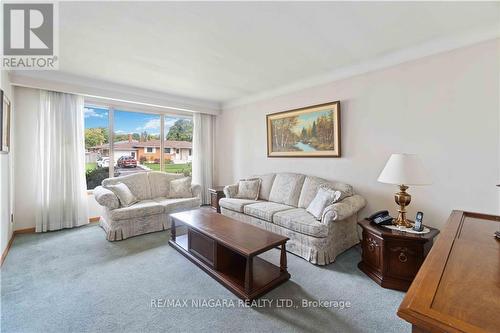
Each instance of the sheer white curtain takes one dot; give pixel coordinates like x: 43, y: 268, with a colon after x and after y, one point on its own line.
x: 203, y: 153
x: 60, y: 162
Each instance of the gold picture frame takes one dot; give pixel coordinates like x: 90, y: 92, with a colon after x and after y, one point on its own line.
x: 312, y: 131
x: 4, y: 124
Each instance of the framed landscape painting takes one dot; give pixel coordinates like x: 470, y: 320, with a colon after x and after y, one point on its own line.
x: 313, y: 131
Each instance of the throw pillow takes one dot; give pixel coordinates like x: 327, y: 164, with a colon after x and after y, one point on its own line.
x: 344, y: 189
x: 123, y: 193
x: 180, y: 188
x: 325, y: 197
x: 248, y: 189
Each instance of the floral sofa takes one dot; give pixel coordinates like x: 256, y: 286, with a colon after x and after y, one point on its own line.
x: 281, y: 208
x: 150, y: 213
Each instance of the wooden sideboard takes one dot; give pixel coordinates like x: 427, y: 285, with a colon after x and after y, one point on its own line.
x: 458, y: 287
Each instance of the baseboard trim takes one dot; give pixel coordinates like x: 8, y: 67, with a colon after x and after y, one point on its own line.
x: 4, y: 254
x: 30, y: 231
x: 11, y: 240
x: 24, y: 231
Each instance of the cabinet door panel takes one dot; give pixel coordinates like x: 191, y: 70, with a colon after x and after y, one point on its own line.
x: 403, y: 259
x: 372, y: 251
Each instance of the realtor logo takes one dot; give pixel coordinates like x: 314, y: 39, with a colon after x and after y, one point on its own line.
x: 29, y: 36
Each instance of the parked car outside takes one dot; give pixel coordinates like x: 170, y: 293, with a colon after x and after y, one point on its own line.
x: 127, y: 162
x: 103, y: 162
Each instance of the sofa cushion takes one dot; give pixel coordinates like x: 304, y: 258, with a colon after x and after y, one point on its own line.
x: 160, y: 182
x: 171, y: 205
x: 180, y: 188
x: 138, y: 183
x: 248, y: 189
x: 265, y: 210
x: 286, y: 188
x: 140, y: 209
x: 325, y: 197
x: 299, y: 220
x: 312, y: 184
x: 125, y: 196
x: 235, y: 204
x: 265, y: 185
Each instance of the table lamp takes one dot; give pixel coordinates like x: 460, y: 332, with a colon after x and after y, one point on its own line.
x: 404, y: 170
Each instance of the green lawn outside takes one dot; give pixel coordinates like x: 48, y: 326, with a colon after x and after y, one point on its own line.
x: 171, y: 168
x: 90, y: 166
x: 153, y: 166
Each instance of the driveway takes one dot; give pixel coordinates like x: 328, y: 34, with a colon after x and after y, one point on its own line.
x: 128, y: 171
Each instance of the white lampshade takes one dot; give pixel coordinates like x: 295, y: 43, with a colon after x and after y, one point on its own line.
x: 404, y: 169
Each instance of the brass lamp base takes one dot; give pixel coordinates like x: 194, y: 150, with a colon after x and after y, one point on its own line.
x: 403, y: 199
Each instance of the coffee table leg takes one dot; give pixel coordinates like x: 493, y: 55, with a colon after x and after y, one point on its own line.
x: 249, y: 275
x: 172, y: 230
x: 283, y: 258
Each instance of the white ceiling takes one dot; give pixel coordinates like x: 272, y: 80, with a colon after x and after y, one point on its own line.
x: 228, y: 51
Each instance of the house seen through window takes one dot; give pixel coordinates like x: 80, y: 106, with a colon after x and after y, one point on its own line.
x: 135, y: 144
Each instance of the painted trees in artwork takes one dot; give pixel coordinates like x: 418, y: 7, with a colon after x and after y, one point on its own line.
x: 320, y: 133
x: 324, y: 132
x: 284, y: 137
x: 294, y: 133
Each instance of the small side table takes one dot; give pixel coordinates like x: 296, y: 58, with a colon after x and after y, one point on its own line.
x: 216, y: 193
x: 392, y: 258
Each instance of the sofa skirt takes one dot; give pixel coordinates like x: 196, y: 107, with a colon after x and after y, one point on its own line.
x: 123, y: 229
x: 342, y: 235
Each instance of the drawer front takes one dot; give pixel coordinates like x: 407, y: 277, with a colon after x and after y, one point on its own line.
x: 201, y: 246
x: 403, y: 259
x: 372, y: 251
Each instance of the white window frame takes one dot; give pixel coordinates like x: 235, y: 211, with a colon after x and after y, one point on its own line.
x: 111, y: 117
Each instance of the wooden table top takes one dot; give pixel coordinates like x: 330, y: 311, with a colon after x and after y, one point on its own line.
x: 241, y: 237
x: 458, y: 287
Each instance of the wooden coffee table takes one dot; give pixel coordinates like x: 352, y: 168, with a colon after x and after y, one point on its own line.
x: 227, y: 250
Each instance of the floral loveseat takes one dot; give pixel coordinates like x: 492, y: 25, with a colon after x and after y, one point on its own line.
x: 150, y: 213
x: 281, y: 208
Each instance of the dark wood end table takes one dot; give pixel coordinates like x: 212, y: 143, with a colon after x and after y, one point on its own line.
x: 392, y: 258
x: 216, y: 193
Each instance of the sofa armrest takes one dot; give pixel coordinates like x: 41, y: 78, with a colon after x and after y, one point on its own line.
x: 106, y: 198
x: 196, y: 190
x: 230, y: 191
x: 343, y: 209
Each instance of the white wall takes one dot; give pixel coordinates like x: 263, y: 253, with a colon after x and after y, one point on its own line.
x: 6, y: 227
x: 27, y: 103
x: 444, y: 108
